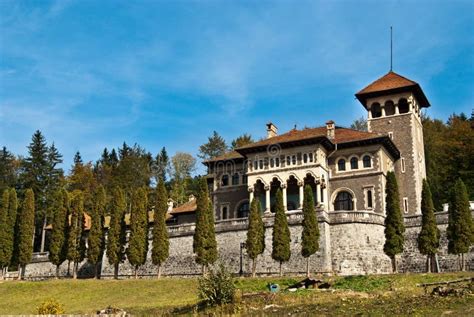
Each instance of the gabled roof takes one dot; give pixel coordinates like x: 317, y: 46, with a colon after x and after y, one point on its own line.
x: 392, y: 83
x: 187, y: 207
x: 232, y: 155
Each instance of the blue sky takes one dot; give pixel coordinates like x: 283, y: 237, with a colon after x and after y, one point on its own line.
x: 92, y: 74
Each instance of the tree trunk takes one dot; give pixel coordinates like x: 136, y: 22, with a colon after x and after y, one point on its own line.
x: 254, y: 267
x: 437, y: 264
x: 19, y: 272
x: 116, y: 271
x: 394, y: 264
x: 57, y: 271
x: 96, y: 271
x: 2, y: 274
x: 136, y: 272
x: 68, y: 268
x: 159, y: 271
x: 281, y: 271
x: 74, y: 270
x: 462, y: 262
x: 428, y: 263
x: 307, y: 267
x: 43, y: 234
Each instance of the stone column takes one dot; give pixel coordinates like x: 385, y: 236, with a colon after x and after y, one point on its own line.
x: 283, y: 189
x: 267, y: 199
x: 396, y: 109
x: 250, y: 189
x: 325, y: 196
x: 318, y: 193
x: 301, y: 188
x: 369, y: 114
x: 383, y: 110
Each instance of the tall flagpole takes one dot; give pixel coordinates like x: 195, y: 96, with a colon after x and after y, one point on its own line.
x: 391, y: 49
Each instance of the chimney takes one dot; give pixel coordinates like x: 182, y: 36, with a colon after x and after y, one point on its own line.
x: 272, y: 130
x: 331, y: 130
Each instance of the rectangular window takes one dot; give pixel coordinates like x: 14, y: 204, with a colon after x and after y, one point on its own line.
x: 405, y: 204
x: 311, y: 157
x: 244, y: 179
x: 255, y: 165
x: 305, y: 158
x: 225, y: 212
x: 402, y: 162
x: 235, y: 179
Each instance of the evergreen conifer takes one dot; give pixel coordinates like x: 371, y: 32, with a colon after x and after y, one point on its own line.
x: 460, y: 226
x: 75, y: 244
x: 59, y: 231
x: 310, y: 235
x: 160, y: 250
x: 281, y: 233
x: 428, y: 239
x: 255, y: 234
x: 96, y: 233
x: 26, y: 229
x: 116, y: 238
x: 138, y: 241
x: 394, y: 226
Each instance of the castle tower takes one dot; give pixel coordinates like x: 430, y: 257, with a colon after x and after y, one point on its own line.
x: 393, y: 104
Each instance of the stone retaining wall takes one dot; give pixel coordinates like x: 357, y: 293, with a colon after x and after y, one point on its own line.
x: 350, y: 243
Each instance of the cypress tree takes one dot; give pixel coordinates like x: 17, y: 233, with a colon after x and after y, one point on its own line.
x: 57, y: 246
x: 310, y: 235
x: 138, y: 241
x: 96, y: 233
x: 75, y: 244
x: 4, y: 207
x: 428, y: 239
x: 460, y: 226
x: 116, y: 237
x: 26, y: 230
x: 255, y: 233
x: 394, y: 226
x: 281, y: 233
x: 160, y: 250
x: 204, y: 241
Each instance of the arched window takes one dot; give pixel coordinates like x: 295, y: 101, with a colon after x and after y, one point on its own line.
x: 225, y: 180
x: 341, y: 165
x: 403, y: 106
x: 277, y: 161
x: 243, y: 210
x: 367, y: 161
x: 255, y: 165
x: 293, y: 160
x: 354, y: 163
x: 311, y: 157
x: 225, y: 214
x: 305, y: 158
x: 288, y: 160
x: 272, y: 162
x: 343, y: 201
x: 235, y: 179
x: 260, y: 164
x: 376, y: 110
x: 389, y: 108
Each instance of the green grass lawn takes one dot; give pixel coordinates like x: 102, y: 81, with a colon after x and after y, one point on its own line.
x: 374, y: 295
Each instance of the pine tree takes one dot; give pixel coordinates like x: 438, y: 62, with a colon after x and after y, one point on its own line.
x: 36, y: 168
x: 75, y: 243
x: 161, y: 165
x: 57, y: 246
x: 310, y: 235
x: 116, y: 237
x: 460, y: 227
x: 160, y: 250
x: 26, y: 229
x: 96, y: 233
x: 281, y: 233
x: 138, y: 241
x: 394, y: 226
x: 204, y: 240
x: 242, y: 140
x: 4, y: 207
x: 214, y: 147
x: 8, y: 169
x: 255, y: 233
x: 428, y: 239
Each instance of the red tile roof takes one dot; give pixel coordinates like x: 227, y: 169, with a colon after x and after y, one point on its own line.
x: 392, y: 82
x: 232, y: 155
x: 341, y: 135
x: 189, y: 206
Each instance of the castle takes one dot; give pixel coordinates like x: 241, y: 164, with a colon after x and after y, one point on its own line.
x: 346, y: 170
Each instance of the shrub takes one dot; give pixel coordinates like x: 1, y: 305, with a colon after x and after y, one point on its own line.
x: 50, y: 307
x: 217, y: 287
